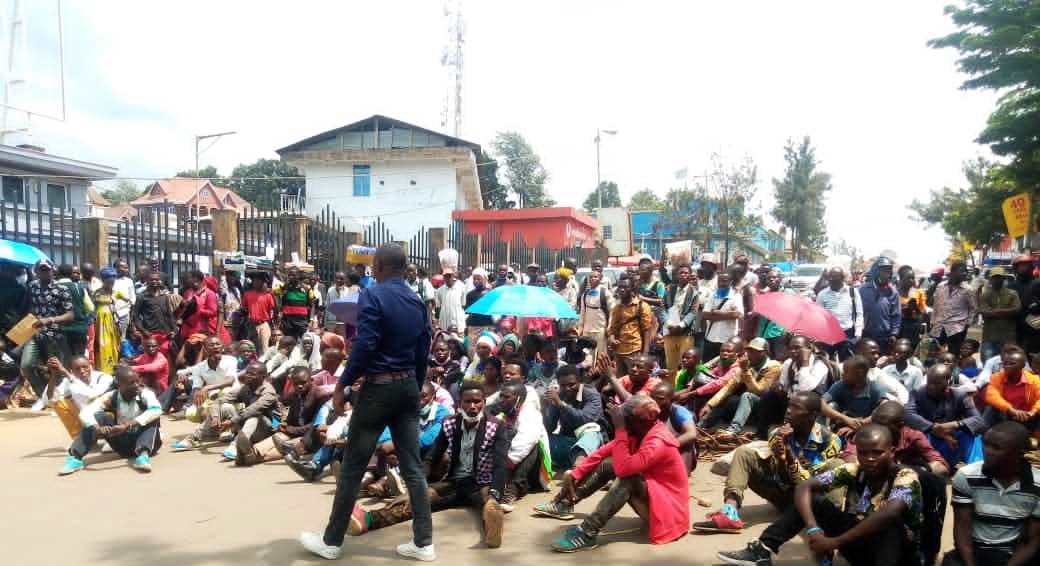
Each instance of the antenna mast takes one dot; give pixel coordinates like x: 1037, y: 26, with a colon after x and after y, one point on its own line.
x: 451, y: 59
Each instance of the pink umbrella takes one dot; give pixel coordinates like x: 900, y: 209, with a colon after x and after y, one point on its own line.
x: 799, y: 315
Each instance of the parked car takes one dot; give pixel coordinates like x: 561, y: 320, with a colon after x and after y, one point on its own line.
x: 804, y: 277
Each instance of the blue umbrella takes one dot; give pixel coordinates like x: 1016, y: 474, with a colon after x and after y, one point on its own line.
x: 523, y: 300
x: 17, y: 252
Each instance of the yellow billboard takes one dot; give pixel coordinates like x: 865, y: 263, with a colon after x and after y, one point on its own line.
x: 1017, y: 214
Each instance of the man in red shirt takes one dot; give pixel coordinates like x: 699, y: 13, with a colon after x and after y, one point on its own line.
x: 152, y: 366
x: 637, y: 382
x: 1014, y: 392
x: 198, y: 313
x: 644, y: 456
x: 258, y: 304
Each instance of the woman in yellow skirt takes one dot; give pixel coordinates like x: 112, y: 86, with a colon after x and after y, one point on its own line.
x: 106, y: 329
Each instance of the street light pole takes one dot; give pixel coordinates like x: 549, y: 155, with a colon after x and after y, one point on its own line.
x: 197, y: 140
x: 599, y: 181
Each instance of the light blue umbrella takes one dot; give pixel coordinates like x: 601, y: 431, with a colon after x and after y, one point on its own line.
x: 17, y: 252
x: 523, y: 300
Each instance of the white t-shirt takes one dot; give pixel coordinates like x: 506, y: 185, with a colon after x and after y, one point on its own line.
x: 202, y: 375
x: 721, y: 330
x: 807, y: 378
x: 83, y: 394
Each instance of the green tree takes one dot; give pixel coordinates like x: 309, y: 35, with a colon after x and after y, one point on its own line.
x: 525, y: 175
x: 999, y: 48
x: 972, y: 214
x: 733, y: 186
x: 611, y: 197
x: 264, y: 181
x: 800, y: 199
x: 493, y: 193
x: 207, y: 172
x: 124, y: 191
x: 645, y: 199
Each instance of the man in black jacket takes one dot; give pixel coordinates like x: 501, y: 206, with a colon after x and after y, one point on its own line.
x: 475, y: 446
x: 294, y: 435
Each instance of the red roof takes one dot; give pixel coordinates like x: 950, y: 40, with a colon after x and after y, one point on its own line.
x: 525, y: 214
x: 187, y: 191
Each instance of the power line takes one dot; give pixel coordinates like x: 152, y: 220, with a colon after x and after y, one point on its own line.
x: 233, y: 178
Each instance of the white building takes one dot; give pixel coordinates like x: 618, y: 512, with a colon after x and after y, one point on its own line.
x: 34, y: 179
x: 407, y: 176
x: 615, y: 226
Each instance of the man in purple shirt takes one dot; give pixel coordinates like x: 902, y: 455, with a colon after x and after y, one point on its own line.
x: 390, y: 355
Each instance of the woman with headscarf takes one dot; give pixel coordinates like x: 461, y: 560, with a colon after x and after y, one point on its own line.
x: 106, y: 333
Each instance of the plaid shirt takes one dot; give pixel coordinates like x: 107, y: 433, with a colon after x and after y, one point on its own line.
x: 485, y: 449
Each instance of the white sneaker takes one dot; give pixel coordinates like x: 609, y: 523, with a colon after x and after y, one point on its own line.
x: 313, y: 542
x: 424, y: 553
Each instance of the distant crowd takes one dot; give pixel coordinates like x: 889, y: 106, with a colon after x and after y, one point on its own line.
x: 854, y: 442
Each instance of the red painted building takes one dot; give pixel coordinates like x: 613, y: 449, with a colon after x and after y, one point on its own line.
x: 560, y: 227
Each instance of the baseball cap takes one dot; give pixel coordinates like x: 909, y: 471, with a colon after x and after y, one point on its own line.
x: 709, y: 257
x: 759, y: 344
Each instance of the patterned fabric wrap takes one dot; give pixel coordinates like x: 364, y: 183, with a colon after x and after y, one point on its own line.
x: 485, y: 450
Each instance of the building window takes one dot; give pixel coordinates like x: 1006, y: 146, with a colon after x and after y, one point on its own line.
x: 57, y: 196
x: 14, y: 190
x: 608, y: 232
x: 204, y: 193
x: 362, y: 181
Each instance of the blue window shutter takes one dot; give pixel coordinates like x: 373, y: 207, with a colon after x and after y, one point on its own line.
x: 362, y: 181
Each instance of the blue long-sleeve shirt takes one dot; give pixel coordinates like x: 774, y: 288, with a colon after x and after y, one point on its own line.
x: 429, y: 428
x: 393, y: 333
x: 881, y: 312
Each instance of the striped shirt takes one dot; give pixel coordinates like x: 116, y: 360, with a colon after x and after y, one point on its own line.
x: 840, y: 304
x: 999, y: 514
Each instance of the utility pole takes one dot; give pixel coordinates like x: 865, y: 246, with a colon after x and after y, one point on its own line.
x: 16, y: 81
x: 216, y: 138
x: 599, y: 181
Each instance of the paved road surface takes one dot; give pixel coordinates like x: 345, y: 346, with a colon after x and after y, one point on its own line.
x: 194, y: 510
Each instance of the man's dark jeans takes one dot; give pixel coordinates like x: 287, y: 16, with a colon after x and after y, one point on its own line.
x: 145, y: 440
x: 887, y: 548
x: 982, y: 555
x: 394, y: 404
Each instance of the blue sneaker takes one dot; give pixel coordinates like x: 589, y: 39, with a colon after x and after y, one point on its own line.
x: 574, y: 539
x: 229, y: 453
x: 72, y: 465
x: 143, y: 463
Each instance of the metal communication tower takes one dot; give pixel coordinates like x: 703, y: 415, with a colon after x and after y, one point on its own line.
x: 16, y: 92
x: 451, y: 59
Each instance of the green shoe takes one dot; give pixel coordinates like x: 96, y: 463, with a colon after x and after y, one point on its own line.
x: 72, y: 465
x: 574, y: 539
x: 556, y: 509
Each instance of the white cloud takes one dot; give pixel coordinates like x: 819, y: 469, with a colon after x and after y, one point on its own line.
x: 678, y: 80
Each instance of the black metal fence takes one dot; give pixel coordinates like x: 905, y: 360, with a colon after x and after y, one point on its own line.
x: 54, y: 231
x: 261, y: 230
x: 161, y: 239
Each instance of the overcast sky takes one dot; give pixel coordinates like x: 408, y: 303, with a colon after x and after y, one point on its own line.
x: 678, y: 80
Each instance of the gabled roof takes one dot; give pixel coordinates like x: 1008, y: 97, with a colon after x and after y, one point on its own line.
x: 383, y: 121
x: 95, y: 198
x: 120, y: 211
x: 184, y: 190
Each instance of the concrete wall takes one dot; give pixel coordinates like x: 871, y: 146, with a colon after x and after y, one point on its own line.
x: 402, y: 205
x: 620, y: 242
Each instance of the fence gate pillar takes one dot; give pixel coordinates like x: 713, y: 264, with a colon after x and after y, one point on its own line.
x: 438, y: 241
x: 298, y: 237
x: 93, y: 241
x: 225, y: 230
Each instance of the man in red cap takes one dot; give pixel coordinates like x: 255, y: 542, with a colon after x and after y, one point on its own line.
x: 1026, y: 287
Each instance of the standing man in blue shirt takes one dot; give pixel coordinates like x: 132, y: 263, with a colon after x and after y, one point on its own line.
x: 390, y: 356
x: 882, y: 314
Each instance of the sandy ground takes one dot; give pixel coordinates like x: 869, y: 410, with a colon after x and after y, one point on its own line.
x: 195, y: 510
